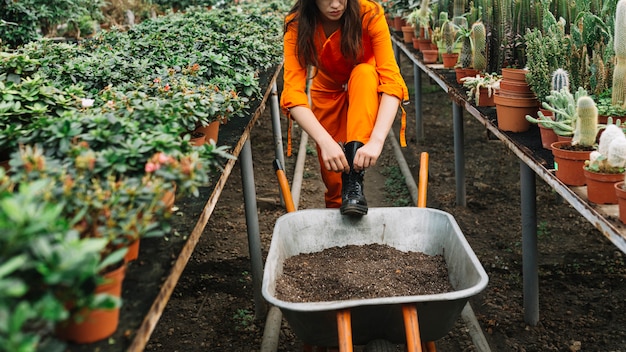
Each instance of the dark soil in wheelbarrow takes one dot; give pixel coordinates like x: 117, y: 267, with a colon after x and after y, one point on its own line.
x: 582, y: 275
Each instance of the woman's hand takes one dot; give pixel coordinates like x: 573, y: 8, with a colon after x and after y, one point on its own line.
x: 333, y: 157
x: 367, y: 155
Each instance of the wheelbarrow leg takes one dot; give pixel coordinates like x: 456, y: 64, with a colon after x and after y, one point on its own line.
x: 411, y: 328
x: 429, y: 346
x: 344, y: 329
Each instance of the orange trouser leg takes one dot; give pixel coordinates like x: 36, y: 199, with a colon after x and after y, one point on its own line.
x: 347, y: 116
x: 363, y: 101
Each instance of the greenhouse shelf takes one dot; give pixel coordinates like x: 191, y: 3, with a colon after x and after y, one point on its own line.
x: 534, y: 160
x: 151, y: 280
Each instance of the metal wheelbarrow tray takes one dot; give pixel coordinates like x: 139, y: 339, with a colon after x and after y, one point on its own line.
x: 415, y: 229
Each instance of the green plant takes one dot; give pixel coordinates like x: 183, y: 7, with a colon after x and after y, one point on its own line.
x: 420, y: 19
x: 563, y: 104
x: 464, y: 36
x: 619, y: 73
x: 490, y: 81
x: 18, y: 24
x: 605, y: 106
x: 448, y: 34
x: 560, y: 80
x: 586, y: 122
x: 546, y: 51
x: 478, y: 36
x: 44, y: 264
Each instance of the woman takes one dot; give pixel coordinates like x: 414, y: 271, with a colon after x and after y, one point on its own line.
x: 355, y: 93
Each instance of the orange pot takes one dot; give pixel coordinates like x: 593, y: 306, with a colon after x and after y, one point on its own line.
x: 620, y: 193
x: 407, y: 34
x: 511, y: 112
x: 449, y: 60
x: 514, y: 74
x: 210, y: 131
x: 600, y: 186
x: 569, y: 164
x: 430, y: 56
x: 89, y: 326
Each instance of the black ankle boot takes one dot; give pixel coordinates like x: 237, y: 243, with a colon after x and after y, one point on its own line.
x: 352, y: 198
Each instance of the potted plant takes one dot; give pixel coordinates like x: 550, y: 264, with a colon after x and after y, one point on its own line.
x: 46, y: 268
x: 450, y: 56
x: 482, y: 88
x: 619, y: 73
x: 605, y: 166
x: 478, y: 40
x: 548, y: 48
x: 420, y: 20
x: 570, y: 156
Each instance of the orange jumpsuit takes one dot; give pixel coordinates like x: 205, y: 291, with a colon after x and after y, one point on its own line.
x: 344, y: 96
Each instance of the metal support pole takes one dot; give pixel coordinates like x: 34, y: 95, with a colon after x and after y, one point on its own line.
x: 278, y: 137
x: 419, y: 122
x: 252, y: 221
x: 529, y: 244
x: 459, y: 153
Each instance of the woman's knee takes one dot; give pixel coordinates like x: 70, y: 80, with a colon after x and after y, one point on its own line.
x: 364, y: 70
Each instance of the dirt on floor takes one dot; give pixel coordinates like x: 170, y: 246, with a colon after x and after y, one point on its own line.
x: 582, y: 275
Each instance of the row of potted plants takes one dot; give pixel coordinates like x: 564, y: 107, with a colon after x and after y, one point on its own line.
x: 96, y: 138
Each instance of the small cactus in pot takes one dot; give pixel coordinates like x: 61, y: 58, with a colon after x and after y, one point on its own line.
x: 478, y: 36
x: 610, y: 157
x: 560, y: 80
x: 619, y: 44
x: 586, y: 122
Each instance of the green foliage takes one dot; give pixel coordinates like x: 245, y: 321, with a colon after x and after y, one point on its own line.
x: 18, y: 25
x: 44, y: 263
x: 546, y: 51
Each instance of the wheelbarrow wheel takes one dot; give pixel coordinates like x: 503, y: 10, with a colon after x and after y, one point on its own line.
x: 380, y: 346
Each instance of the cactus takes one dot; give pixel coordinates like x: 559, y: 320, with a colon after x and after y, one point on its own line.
x: 449, y: 36
x: 611, y: 154
x: 478, y: 36
x: 586, y: 122
x: 619, y: 72
x: 560, y: 80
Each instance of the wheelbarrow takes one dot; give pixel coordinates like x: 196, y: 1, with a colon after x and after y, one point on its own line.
x: 395, y: 319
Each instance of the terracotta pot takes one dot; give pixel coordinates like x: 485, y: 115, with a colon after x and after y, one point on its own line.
x: 398, y: 22
x: 449, y: 60
x: 511, y: 112
x: 464, y: 72
x: 600, y: 186
x: 548, y: 136
x: 484, y: 99
x: 407, y: 34
x: 620, y: 193
x: 569, y: 164
x: 416, y: 43
x: 560, y: 138
x: 430, y: 56
x: 515, y: 86
x: 133, y: 252
x: 514, y: 74
x: 197, y: 138
x: 95, y: 325
x: 211, y: 131
x: 424, y: 44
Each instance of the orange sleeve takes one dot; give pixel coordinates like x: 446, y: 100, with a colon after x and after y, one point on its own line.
x: 391, y: 81
x: 294, y: 76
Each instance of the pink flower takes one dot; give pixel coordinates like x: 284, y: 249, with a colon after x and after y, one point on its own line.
x: 152, y: 167
x: 163, y: 158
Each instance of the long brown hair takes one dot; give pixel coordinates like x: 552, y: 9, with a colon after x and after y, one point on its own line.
x: 305, y: 17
